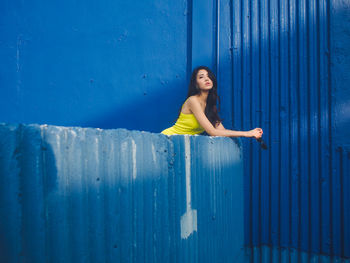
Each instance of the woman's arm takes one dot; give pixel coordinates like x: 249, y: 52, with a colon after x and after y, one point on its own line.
x: 220, y: 126
x: 197, y: 111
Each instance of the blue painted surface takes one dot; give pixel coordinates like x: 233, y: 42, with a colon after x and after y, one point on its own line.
x: 265, y: 254
x: 109, y: 64
x: 290, y: 77
x: 281, y: 65
x: 91, y: 195
x: 340, y: 70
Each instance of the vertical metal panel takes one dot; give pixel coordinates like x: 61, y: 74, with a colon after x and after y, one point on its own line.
x: 275, y: 124
x: 255, y: 106
x: 325, y: 135
x: 340, y: 203
x: 224, y: 74
x: 286, y: 255
x: 303, y: 127
x: 90, y: 195
x: 314, y: 117
x: 9, y: 195
x: 295, y: 179
x: 339, y: 13
x: 295, y: 192
x: 266, y: 122
x: 236, y: 63
x: 285, y: 202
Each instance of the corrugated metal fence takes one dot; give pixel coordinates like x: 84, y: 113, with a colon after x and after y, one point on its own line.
x: 298, y: 192
x: 91, y: 195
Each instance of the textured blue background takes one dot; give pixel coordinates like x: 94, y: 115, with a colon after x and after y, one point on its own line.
x: 103, y: 64
x: 281, y: 65
x: 91, y: 195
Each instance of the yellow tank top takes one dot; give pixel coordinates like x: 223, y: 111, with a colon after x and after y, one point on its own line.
x: 185, y: 124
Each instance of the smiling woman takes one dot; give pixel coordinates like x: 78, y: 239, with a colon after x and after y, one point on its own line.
x: 199, y: 112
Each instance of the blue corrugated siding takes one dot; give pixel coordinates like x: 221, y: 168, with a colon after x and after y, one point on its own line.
x: 266, y: 254
x: 91, y: 195
x: 296, y: 194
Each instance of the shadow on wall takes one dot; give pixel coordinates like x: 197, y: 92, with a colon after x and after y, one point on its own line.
x: 153, y: 112
x: 28, y: 174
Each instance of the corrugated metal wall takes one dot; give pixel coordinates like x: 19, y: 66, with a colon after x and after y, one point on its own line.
x: 297, y: 192
x: 91, y: 195
x: 267, y: 254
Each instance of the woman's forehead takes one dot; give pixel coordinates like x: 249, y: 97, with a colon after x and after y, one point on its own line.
x: 202, y: 72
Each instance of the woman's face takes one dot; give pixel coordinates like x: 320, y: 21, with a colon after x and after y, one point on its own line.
x: 204, y: 83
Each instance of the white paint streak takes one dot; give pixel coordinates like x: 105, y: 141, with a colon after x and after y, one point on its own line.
x: 73, y: 133
x: 189, y: 219
x: 134, y: 170
x: 154, y: 154
x: 188, y: 172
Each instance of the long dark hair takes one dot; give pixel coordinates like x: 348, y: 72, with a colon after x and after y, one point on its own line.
x: 211, y: 109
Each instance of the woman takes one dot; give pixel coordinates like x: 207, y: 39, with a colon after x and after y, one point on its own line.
x: 199, y: 112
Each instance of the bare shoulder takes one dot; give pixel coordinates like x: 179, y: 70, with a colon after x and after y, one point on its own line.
x: 188, y: 105
x: 190, y: 100
x: 193, y: 99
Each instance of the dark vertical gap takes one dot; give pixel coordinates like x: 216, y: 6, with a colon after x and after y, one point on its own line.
x: 308, y: 121
x: 270, y: 162
x: 20, y: 195
x: 297, y: 14
x: 341, y: 180
x: 260, y: 122
x: 232, y: 63
x: 242, y: 118
x: 330, y: 148
x: 319, y: 122
x: 250, y: 83
x: 250, y: 74
x: 250, y: 79
x: 242, y: 112
x: 189, y: 40
x: 290, y: 133
x: 279, y: 80
x: 44, y: 151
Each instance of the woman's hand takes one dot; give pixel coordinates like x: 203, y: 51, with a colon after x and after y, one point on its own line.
x: 256, y: 133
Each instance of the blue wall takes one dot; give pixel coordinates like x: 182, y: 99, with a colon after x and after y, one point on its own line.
x: 109, y: 64
x: 340, y: 68
x: 91, y: 195
x: 103, y: 64
x: 281, y: 65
